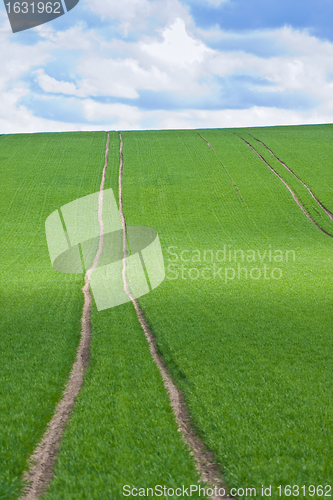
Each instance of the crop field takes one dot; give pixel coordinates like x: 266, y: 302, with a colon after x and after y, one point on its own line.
x: 40, y: 309
x: 243, y: 319
x: 252, y: 356
x: 41, y: 312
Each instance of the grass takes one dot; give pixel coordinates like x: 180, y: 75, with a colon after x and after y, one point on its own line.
x: 122, y: 431
x: 302, y: 192
x: 252, y: 356
x: 40, y: 309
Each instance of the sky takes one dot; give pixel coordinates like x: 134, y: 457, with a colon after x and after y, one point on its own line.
x: 169, y: 64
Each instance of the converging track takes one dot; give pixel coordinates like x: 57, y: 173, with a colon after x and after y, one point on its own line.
x: 329, y: 213
x: 43, y: 459
x: 289, y: 188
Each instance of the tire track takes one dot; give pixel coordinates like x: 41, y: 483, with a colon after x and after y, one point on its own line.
x: 225, y: 169
x: 43, y: 459
x: 293, y: 173
x: 205, y: 465
x: 288, y: 187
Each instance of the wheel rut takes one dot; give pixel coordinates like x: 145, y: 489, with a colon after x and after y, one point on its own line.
x: 41, y: 462
x: 288, y: 187
x: 329, y: 213
x: 209, y: 471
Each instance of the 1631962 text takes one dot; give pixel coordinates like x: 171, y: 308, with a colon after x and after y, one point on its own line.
x: 34, y: 7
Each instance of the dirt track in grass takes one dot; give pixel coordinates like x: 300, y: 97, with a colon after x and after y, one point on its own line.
x: 42, y: 460
x: 209, y: 472
x: 287, y: 186
x: 329, y: 213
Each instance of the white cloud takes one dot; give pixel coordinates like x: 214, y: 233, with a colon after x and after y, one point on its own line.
x: 17, y: 60
x: 49, y: 84
x: 134, y: 15
x: 120, y: 77
x: 15, y: 118
x: 232, y: 118
x: 76, y: 38
x: 183, y: 64
x: 127, y: 9
x: 128, y: 117
x: 177, y: 47
x: 306, y: 71
x: 155, y: 66
x: 174, y: 58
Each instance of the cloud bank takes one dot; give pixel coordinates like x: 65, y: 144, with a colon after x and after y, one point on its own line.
x: 149, y: 64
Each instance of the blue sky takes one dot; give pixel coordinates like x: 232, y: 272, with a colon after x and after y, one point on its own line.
x: 158, y: 64
x: 239, y: 15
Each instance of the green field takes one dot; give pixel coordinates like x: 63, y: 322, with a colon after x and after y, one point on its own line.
x: 252, y: 356
x: 40, y: 325
x: 243, y: 318
x: 40, y: 309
